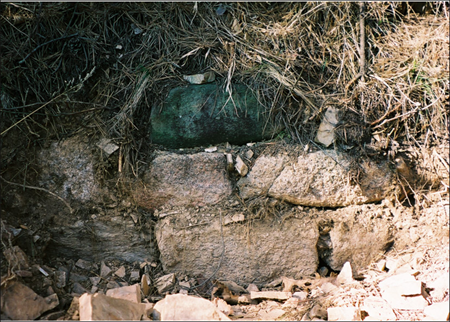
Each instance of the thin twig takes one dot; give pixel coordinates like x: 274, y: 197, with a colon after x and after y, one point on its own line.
x: 46, y: 43
x: 40, y: 189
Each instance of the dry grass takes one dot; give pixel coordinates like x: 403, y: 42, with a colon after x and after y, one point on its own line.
x: 111, y: 64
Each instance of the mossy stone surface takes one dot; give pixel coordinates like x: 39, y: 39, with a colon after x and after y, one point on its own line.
x: 200, y: 115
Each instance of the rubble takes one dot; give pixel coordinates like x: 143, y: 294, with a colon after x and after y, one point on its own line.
x: 180, y: 307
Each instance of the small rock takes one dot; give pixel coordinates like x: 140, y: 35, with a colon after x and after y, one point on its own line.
x: 381, y: 265
x: 165, y: 283
x: 83, y: 264
x: 323, y: 271
x: 78, y: 289
x: 60, y: 279
x: 130, y: 293
x: 77, y: 278
x: 179, y: 307
x: 144, y: 285
x: 300, y: 295
x: 317, y: 312
x: 325, y: 133
x: 95, y: 307
x: 211, y: 149
x: 94, y: 289
x: 403, y: 291
x: 50, y: 290
x: 438, y: 311
x: 344, y: 314
x: 112, y: 284
x: 346, y: 275
x: 16, y: 258
x: 120, y: 272
x: 440, y: 287
x: 184, y: 287
x: 207, y: 77
x: 95, y: 280
x: 106, y: 145
x: 378, y: 309
x: 104, y: 270
x: 223, y: 306
x: 249, y: 154
x: 240, y: 166
x: 328, y: 287
x: 19, y: 302
x: 252, y: 288
x: 291, y: 303
x: 245, y: 299
x: 135, y: 275
x: 270, y: 295
x: 271, y: 315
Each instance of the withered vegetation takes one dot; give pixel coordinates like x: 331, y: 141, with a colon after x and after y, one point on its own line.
x: 101, y: 68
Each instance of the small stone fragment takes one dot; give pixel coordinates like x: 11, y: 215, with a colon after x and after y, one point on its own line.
x: 60, y: 279
x: 291, y: 303
x: 403, y: 291
x: 223, y: 306
x: 165, y: 283
x: 346, y: 275
x: 240, y: 166
x: 317, y: 312
x: 204, y: 78
x: 144, y: 285
x: 270, y: 295
x: 99, y: 307
x: 249, y: 154
x: 83, y: 264
x: 135, y: 275
x: 323, y: 271
x: 211, y: 149
x: 120, y: 272
x: 179, y: 307
x: 16, y: 258
x: 104, y: 270
x: 300, y: 295
x: 95, y: 280
x: 438, y: 311
x: 271, y: 315
x: 78, y: 289
x: 440, y: 287
x: 325, y: 133
x: 112, y: 284
x: 328, y: 287
x: 19, y: 302
x: 252, y: 288
x: 378, y: 309
x: 107, y: 146
x: 344, y: 314
x: 381, y: 265
x: 130, y: 293
x: 77, y: 278
x: 184, y: 287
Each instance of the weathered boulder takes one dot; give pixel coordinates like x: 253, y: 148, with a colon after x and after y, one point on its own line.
x: 68, y: 170
x: 100, y: 238
x: 357, y: 234
x: 319, y: 179
x: 198, y: 115
x: 180, y: 307
x: 188, y: 180
x: 19, y: 302
x: 255, y: 251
